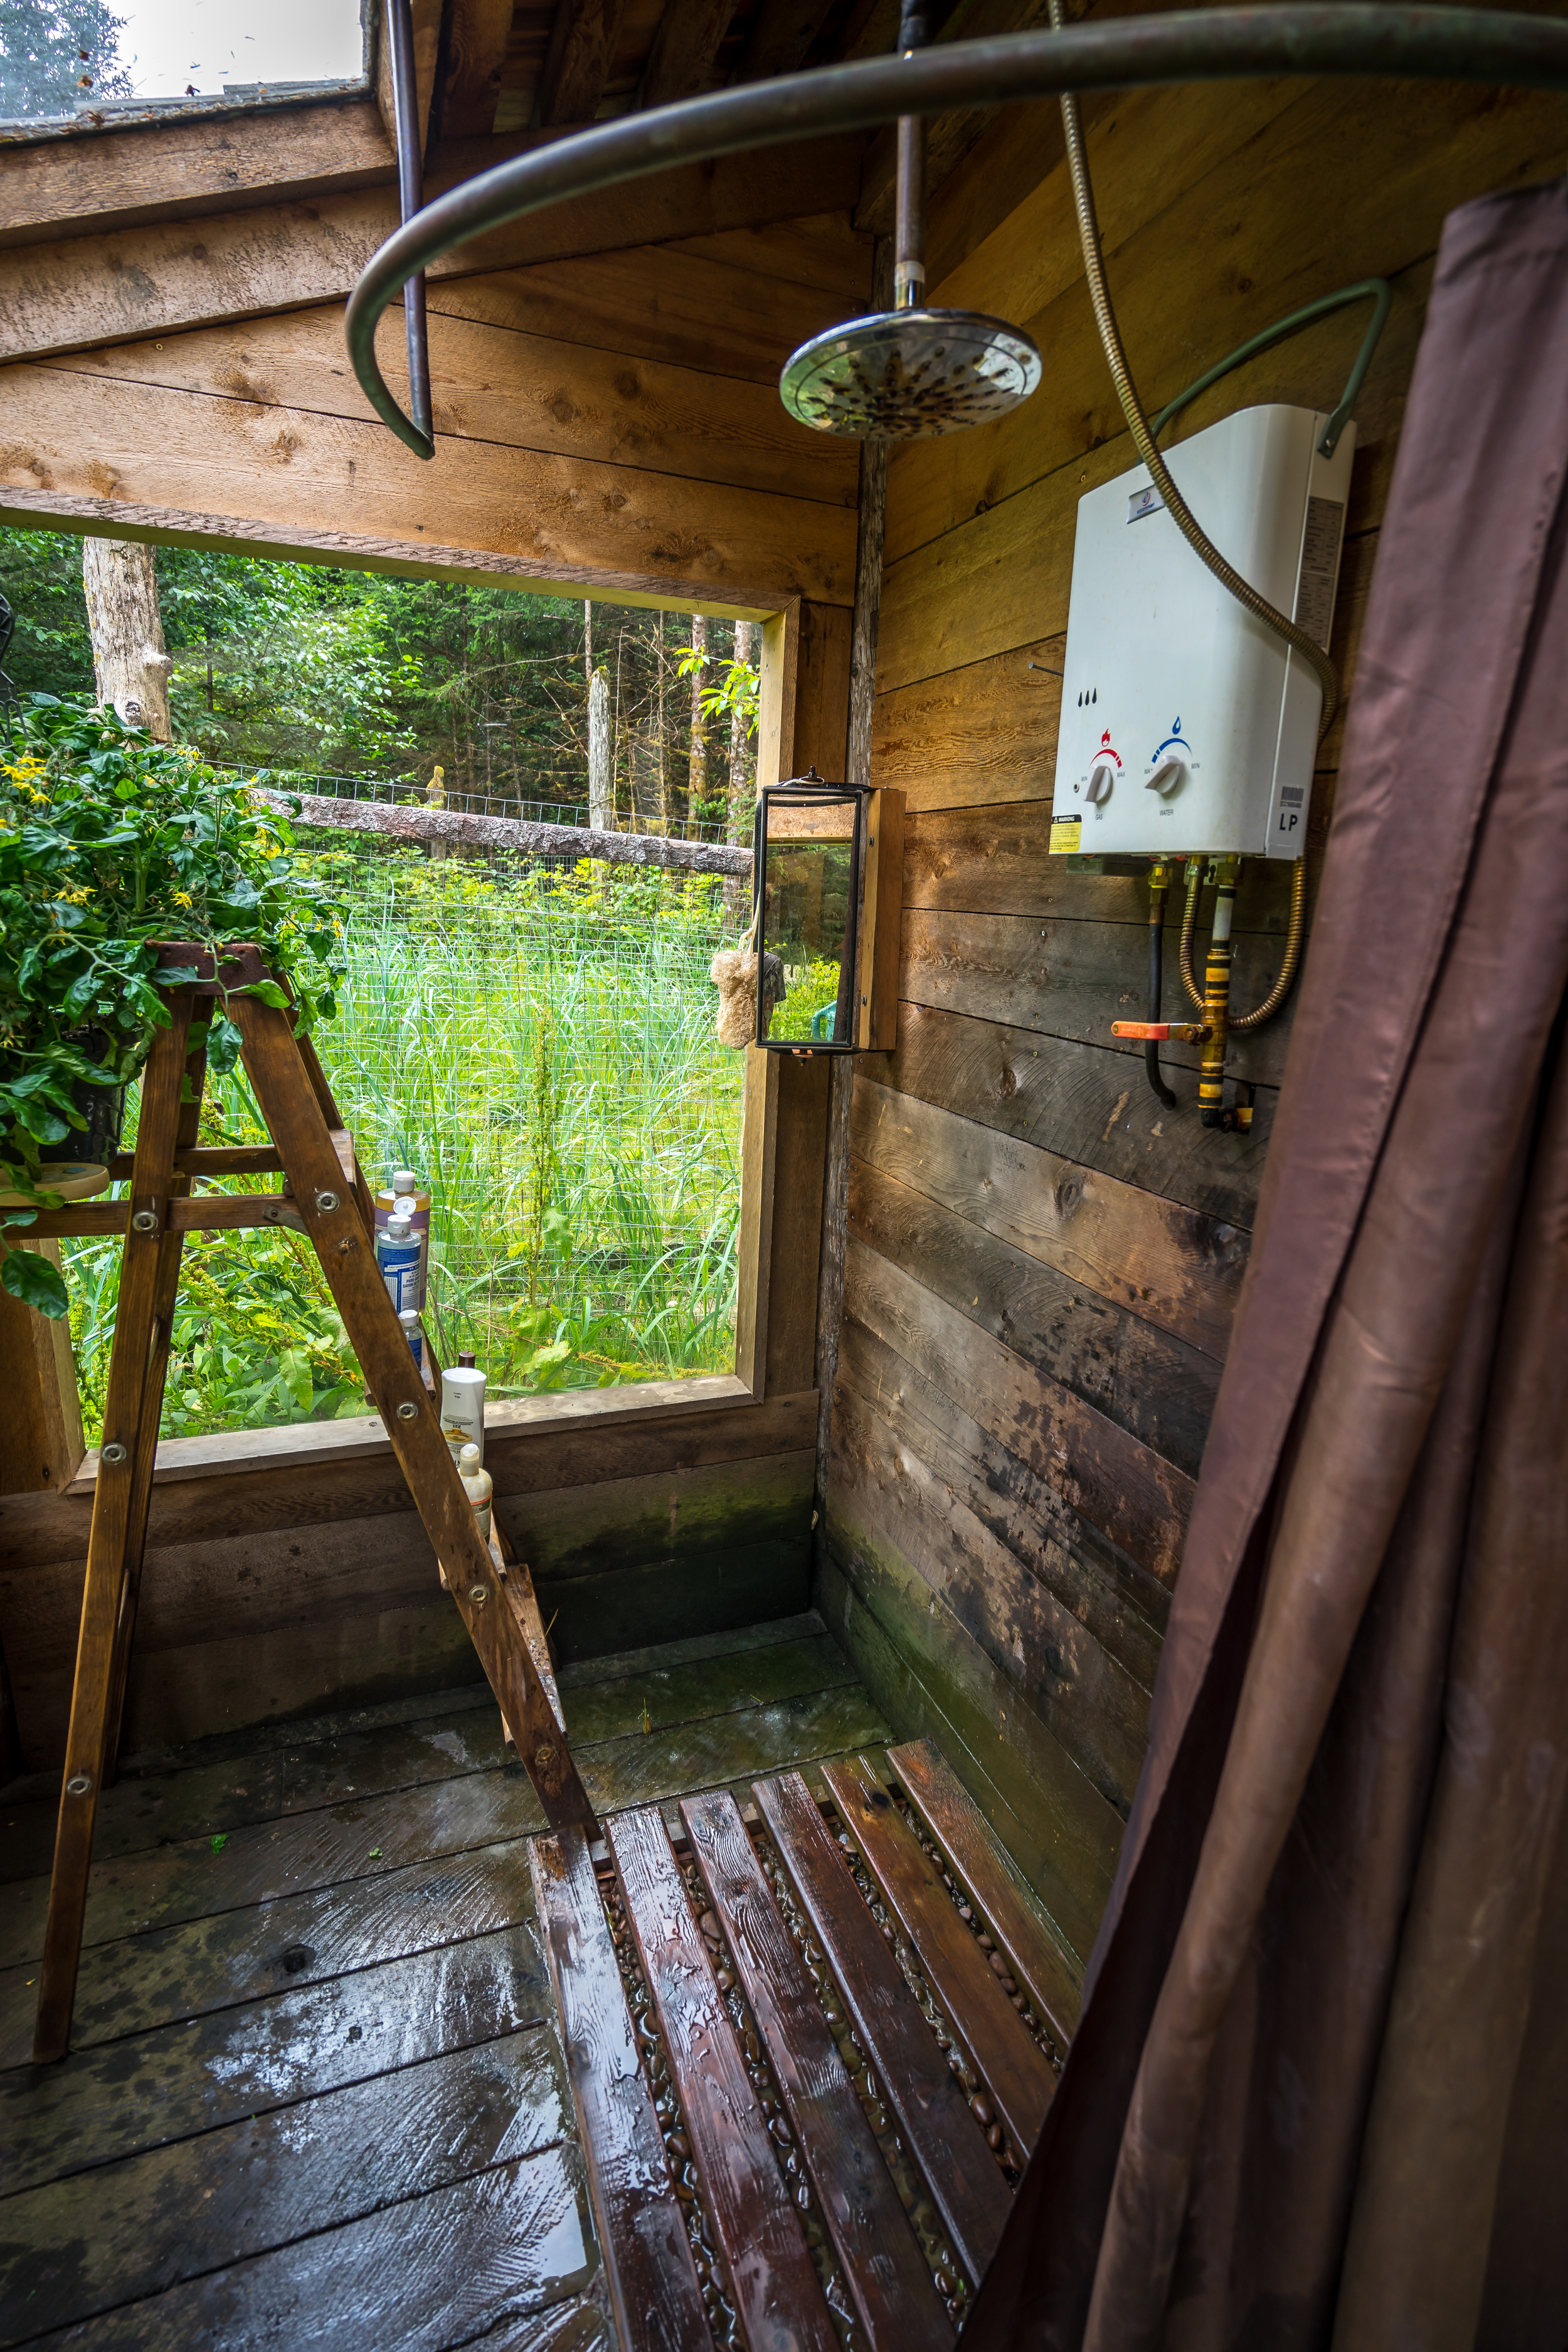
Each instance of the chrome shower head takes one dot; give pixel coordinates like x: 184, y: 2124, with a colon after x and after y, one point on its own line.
x: 909, y: 372
x: 899, y: 374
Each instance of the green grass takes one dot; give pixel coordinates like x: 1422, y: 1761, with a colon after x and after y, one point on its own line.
x: 541, y: 1048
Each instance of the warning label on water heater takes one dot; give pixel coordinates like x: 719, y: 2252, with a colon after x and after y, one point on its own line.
x: 1320, y: 568
x: 1067, y: 833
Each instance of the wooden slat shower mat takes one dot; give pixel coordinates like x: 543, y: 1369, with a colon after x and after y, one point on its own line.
x: 810, y: 2051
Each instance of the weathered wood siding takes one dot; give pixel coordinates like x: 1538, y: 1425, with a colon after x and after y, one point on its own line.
x: 610, y: 420
x: 1043, y: 1263
x: 275, y: 1593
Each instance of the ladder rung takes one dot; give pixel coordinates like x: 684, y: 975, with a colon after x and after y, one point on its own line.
x: 208, y: 1213
x: 210, y: 1159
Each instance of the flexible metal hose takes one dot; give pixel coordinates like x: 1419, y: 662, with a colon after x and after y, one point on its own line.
x: 1294, y: 931
x: 1189, y: 926
x: 1202, y: 546
x: 1287, y: 961
x: 1138, y: 423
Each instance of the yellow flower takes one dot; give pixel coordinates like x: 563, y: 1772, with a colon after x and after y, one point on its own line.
x: 182, y: 898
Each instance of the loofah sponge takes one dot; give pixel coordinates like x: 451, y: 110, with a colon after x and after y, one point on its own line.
x: 733, y: 972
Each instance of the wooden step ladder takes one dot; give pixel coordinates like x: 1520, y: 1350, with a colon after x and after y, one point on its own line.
x: 325, y: 1197
x: 727, y: 2087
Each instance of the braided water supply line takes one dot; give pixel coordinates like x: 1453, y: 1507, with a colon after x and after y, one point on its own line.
x: 1294, y: 929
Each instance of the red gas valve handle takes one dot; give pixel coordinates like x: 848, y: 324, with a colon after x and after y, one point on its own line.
x: 1183, y: 1033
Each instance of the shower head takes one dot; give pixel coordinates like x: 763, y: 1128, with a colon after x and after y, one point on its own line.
x: 909, y: 372
x: 899, y: 374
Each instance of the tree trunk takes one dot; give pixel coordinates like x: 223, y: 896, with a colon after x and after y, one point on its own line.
x: 601, y: 774
x: 743, y: 758
x: 127, y: 657
x: 697, y: 764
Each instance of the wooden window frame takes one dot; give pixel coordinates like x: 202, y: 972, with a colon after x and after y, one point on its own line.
x: 803, y: 722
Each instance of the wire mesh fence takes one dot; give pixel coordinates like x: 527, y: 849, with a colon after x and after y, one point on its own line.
x: 537, y: 1042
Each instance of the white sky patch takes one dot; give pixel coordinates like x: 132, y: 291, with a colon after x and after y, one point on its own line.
x: 172, y: 45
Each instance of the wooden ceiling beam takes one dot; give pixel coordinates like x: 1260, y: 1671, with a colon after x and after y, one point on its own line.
x: 426, y: 51
x: 126, y: 458
x: 579, y: 61
x: 680, y: 62
x: 244, y: 264
x: 89, y: 183
x: 476, y: 57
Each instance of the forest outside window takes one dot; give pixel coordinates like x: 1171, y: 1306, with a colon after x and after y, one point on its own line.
x: 532, y: 1037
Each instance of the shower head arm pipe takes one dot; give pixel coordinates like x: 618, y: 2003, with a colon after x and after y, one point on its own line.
x: 910, y: 222
x: 1330, y: 36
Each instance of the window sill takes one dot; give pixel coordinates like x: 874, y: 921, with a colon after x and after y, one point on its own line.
x: 245, y: 1453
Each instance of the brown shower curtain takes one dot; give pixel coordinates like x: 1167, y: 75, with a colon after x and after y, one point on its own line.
x: 1319, y: 2094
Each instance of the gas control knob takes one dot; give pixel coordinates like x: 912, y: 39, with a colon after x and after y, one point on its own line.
x: 1102, y: 776
x: 1166, y: 777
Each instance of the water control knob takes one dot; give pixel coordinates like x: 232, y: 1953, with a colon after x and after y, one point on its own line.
x: 1102, y: 776
x: 1166, y: 777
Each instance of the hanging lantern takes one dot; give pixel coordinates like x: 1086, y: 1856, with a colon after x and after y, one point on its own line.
x: 806, y: 878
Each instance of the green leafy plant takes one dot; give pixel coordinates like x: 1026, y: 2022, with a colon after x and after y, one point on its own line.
x: 738, y: 692
x: 111, y: 843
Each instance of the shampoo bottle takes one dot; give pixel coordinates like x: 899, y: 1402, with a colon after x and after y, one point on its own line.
x: 397, y: 1257
x: 413, y: 1334
x: 406, y: 1197
x: 463, y: 1408
x: 478, y: 1486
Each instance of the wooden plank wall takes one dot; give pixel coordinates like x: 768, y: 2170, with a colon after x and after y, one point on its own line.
x: 611, y: 423
x: 611, y: 420
x: 281, y: 1592
x: 1042, y: 1265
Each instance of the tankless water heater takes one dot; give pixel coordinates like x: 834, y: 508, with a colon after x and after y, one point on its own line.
x: 1187, y: 726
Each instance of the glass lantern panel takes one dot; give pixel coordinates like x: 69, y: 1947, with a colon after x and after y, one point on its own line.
x: 808, y: 923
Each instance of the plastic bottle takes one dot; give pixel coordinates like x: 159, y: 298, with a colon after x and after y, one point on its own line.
x: 397, y: 1256
x: 413, y: 1334
x: 478, y: 1486
x: 463, y: 1408
x: 405, y: 1188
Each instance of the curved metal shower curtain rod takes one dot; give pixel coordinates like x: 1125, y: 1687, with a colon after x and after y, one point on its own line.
x: 1426, y: 44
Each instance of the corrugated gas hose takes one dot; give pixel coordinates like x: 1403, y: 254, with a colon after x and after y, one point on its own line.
x: 1294, y: 930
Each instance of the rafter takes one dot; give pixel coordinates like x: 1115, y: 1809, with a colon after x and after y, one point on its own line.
x: 476, y: 53
x: 578, y: 64
x: 680, y: 62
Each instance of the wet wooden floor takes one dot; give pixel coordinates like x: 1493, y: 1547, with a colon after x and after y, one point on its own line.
x: 316, y: 2093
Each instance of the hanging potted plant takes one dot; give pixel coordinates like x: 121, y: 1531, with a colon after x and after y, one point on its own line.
x: 112, y: 842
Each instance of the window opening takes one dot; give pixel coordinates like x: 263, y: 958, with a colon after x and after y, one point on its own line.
x: 533, y: 1036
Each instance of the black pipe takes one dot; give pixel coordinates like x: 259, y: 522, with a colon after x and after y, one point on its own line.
x: 1156, y: 990
x: 410, y: 200
x: 1344, y: 36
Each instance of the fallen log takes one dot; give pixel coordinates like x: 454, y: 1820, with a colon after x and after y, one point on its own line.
x: 404, y: 821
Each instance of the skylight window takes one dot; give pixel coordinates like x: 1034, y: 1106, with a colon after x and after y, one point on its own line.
x: 66, y: 60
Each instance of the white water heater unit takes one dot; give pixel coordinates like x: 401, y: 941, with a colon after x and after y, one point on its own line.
x: 1188, y: 727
